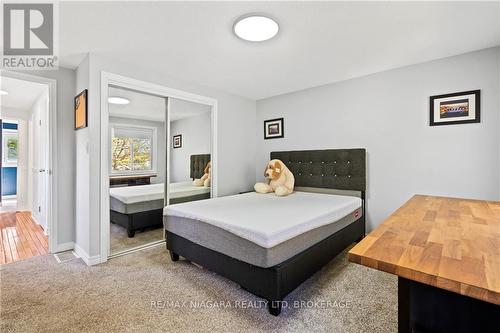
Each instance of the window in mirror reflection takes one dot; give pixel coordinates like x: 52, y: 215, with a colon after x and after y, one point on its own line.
x: 132, y: 150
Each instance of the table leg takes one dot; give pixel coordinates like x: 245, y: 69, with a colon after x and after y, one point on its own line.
x: 403, y: 305
x: 424, y: 308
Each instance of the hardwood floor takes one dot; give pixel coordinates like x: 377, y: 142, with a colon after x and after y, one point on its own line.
x: 20, y: 238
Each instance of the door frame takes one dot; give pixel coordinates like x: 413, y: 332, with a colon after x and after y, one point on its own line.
x: 52, y: 181
x: 108, y: 79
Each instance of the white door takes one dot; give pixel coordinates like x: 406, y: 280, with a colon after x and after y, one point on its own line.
x: 40, y: 162
x: 23, y: 202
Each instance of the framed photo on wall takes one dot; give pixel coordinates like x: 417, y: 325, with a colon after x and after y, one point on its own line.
x: 458, y: 108
x: 177, y: 141
x: 273, y: 129
x: 81, y: 110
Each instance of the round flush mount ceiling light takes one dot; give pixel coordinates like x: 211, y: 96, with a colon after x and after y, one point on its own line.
x: 3, y: 93
x: 255, y: 27
x: 118, y: 100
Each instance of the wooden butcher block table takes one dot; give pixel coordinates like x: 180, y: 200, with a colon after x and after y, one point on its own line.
x: 446, y: 254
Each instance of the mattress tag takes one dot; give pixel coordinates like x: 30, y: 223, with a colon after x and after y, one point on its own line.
x: 356, y: 214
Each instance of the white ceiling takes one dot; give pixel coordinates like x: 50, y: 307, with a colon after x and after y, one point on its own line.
x: 319, y: 43
x: 149, y: 107
x: 22, y: 94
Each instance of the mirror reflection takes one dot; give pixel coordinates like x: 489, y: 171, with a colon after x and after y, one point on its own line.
x: 137, y: 174
x: 190, y: 151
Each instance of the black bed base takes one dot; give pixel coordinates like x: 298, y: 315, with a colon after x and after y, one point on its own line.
x: 137, y: 221
x: 272, y: 283
x: 195, y: 197
x: 148, y: 219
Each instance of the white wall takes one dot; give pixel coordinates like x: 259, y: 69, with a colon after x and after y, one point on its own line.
x: 388, y: 114
x: 236, y: 138
x: 161, y: 149
x: 13, y: 113
x: 498, y: 79
x: 196, y: 138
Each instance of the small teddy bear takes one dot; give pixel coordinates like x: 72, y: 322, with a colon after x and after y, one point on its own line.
x: 205, y: 179
x: 280, y: 179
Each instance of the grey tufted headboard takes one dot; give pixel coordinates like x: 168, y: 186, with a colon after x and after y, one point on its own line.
x: 342, y: 169
x: 198, y: 164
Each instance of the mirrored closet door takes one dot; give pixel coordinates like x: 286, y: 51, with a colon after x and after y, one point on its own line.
x: 137, y: 174
x: 190, y: 151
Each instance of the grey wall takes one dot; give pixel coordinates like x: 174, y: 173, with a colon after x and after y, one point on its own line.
x: 82, y: 177
x: 388, y: 114
x: 196, y: 137
x: 161, y: 149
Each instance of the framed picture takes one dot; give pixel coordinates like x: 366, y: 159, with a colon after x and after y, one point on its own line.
x: 458, y: 108
x: 273, y: 129
x: 177, y: 141
x: 81, y: 110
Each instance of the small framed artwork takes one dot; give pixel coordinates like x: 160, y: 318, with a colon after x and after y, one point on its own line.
x: 177, y: 141
x: 458, y: 108
x: 81, y: 110
x: 273, y: 129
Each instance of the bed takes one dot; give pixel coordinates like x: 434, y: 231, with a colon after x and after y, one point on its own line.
x: 270, y: 245
x: 141, y: 207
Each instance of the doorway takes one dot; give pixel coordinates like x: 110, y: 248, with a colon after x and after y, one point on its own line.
x: 154, y: 176
x: 25, y: 167
x: 9, y: 164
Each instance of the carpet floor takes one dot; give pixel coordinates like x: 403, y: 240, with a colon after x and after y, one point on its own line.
x: 146, y: 292
x: 119, y: 240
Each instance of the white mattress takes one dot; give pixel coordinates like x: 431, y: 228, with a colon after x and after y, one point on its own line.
x: 186, y: 189
x: 266, y: 219
x: 141, y: 193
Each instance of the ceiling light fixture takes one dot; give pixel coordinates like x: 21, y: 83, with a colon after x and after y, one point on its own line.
x: 3, y: 93
x: 255, y: 27
x: 118, y: 100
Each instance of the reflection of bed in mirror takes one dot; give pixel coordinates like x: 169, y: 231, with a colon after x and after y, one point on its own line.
x: 141, y: 207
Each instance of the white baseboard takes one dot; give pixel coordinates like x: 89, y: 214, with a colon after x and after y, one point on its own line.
x: 33, y: 217
x: 65, y: 247
x: 45, y: 229
x: 90, y: 261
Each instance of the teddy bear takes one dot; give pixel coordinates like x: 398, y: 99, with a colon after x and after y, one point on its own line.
x: 205, y: 179
x: 280, y: 179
